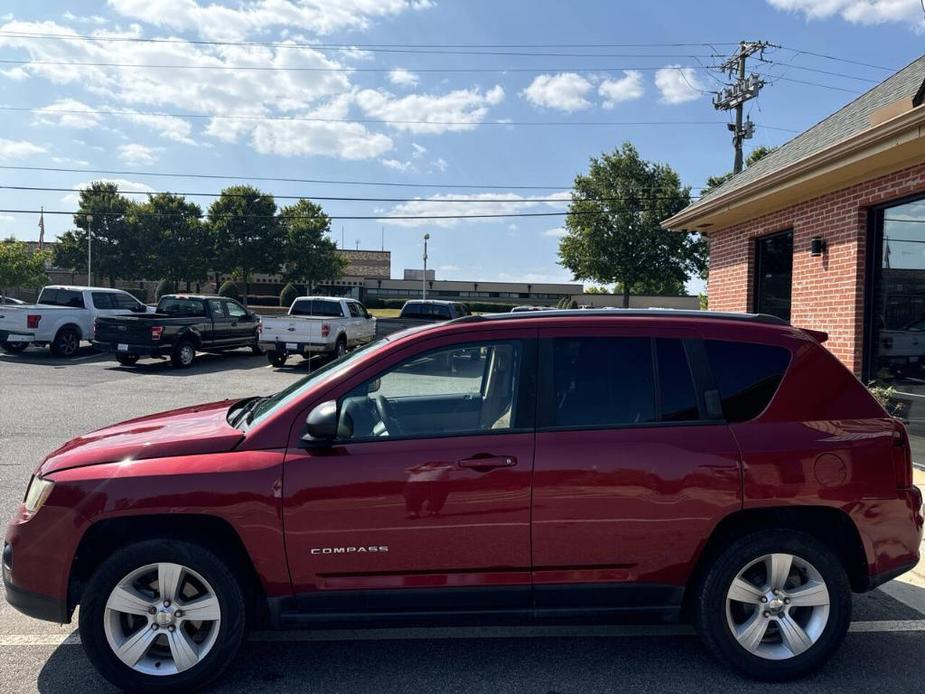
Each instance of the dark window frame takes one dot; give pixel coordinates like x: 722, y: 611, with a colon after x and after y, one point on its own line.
x: 756, y: 279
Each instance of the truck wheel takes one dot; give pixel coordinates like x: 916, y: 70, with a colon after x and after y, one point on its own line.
x: 162, y: 615
x: 183, y: 355
x: 14, y: 347
x: 775, y: 605
x: 66, y: 343
x: 340, y: 347
x: 277, y: 359
x: 256, y: 350
x: 127, y: 359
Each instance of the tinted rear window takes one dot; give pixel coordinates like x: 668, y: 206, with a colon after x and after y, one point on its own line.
x: 747, y: 376
x: 181, y: 307
x: 603, y: 382
x: 102, y: 300
x: 316, y: 307
x: 61, y: 297
x: 675, y: 382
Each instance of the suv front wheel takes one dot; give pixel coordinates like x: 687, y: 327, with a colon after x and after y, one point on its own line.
x: 774, y: 605
x: 162, y: 615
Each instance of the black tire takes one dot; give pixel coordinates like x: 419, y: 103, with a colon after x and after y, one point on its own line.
x: 200, y: 559
x: 710, y: 604
x: 14, y: 347
x: 277, y: 359
x: 127, y: 359
x: 256, y: 350
x: 340, y: 347
x: 183, y: 355
x: 66, y: 343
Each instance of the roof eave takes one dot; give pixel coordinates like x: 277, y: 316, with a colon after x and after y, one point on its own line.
x: 694, y: 215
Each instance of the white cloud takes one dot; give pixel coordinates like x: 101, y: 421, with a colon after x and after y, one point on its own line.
x: 558, y: 232
x: 395, y: 164
x: 216, y: 21
x: 418, y: 150
x: 678, y: 84
x: 19, y: 149
x: 504, y: 203
x: 565, y: 91
x: 6, y: 218
x: 627, y: 88
x: 401, y: 77
x: 169, y: 127
x: 344, y: 140
x: 135, y: 154
x: 456, y: 111
x: 68, y: 113
x: 856, y: 11
x: 440, y: 164
x: 141, y: 188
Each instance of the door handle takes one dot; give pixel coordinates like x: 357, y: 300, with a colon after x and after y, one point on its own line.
x: 487, y: 462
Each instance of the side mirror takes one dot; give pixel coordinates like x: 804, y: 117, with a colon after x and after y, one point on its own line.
x: 321, y: 424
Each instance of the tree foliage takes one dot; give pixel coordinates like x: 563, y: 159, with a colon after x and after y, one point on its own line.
x: 19, y: 267
x: 310, y: 256
x: 177, y: 243
x: 757, y: 154
x: 614, y: 226
x: 288, y: 295
x: 246, y: 232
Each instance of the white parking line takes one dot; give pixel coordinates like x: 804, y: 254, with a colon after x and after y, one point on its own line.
x: 609, y: 631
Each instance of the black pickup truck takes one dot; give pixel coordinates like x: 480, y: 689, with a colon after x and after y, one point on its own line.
x: 182, y: 325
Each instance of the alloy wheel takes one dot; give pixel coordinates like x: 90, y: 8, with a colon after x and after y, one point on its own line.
x: 162, y: 619
x: 777, y: 606
x: 68, y: 344
x: 187, y: 354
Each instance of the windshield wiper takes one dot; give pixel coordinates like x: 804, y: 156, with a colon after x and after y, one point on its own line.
x: 245, y: 409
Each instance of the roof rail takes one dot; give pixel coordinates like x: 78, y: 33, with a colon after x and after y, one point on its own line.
x: 629, y: 312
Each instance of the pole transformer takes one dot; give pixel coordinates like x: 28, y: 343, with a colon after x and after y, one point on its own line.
x: 745, y: 87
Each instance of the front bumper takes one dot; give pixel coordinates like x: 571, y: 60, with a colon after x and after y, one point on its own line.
x: 35, y: 605
x: 137, y: 350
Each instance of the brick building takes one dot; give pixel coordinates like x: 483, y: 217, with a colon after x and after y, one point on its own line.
x: 828, y: 231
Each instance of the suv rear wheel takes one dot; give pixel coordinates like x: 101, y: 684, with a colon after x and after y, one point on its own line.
x: 775, y: 605
x: 162, y: 615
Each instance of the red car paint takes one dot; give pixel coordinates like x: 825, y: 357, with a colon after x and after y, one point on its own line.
x: 575, y: 508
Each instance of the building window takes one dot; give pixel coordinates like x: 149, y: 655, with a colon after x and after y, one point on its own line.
x: 774, y: 274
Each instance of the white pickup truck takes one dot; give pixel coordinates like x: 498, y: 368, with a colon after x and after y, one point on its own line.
x: 62, y: 317
x: 316, y: 325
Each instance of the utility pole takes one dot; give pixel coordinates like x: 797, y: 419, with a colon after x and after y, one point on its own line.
x: 89, y: 250
x: 744, y: 88
x: 424, y: 282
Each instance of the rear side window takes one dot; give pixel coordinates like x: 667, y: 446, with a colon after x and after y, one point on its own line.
x: 102, y: 300
x: 315, y: 307
x: 747, y: 376
x: 601, y: 382
x: 675, y: 382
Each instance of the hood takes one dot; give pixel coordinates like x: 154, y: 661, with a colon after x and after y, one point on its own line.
x: 189, y: 431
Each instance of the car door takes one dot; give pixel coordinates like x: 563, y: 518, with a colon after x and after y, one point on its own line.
x: 242, y: 323
x: 633, y: 470
x: 424, y: 500
x: 222, y: 332
x: 355, y: 323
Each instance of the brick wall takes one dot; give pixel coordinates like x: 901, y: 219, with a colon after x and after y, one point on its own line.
x: 828, y: 291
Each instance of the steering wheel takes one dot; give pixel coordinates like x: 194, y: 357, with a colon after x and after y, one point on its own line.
x: 387, y: 415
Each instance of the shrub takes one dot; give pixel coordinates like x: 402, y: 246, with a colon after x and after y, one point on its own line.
x: 140, y: 294
x: 288, y: 295
x: 262, y: 300
x: 164, y: 287
x: 229, y: 289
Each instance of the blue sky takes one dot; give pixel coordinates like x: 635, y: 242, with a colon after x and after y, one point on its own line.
x: 466, y: 100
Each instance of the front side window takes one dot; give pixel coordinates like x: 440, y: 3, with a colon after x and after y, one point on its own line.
x: 602, y: 382
x: 354, y: 310
x: 747, y: 376
x: 468, y: 389
x: 235, y: 310
x: 125, y: 302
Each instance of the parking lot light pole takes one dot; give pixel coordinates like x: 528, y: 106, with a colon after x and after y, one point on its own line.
x: 424, y: 280
x: 89, y: 249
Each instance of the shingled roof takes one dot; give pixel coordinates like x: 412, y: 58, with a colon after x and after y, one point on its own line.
x: 841, y: 125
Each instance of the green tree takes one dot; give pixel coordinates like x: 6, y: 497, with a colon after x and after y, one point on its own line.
x: 614, y: 231
x: 597, y: 290
x: 757, y: 154
x: 179, y: 245
x: 117, y: 251
x: 311, y: 257
x: 19, y: 267
x: 246, y: 233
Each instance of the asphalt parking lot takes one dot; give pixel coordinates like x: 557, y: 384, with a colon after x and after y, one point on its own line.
x: 44, y: 402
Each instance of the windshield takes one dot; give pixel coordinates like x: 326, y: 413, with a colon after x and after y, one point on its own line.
x: 266, y: 406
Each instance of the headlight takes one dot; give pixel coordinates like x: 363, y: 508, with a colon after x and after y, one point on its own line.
x: 37, y: 493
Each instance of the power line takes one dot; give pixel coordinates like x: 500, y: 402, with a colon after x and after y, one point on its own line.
x: 349, y: 199
x: 848, y: 61
x: 94, y: 213
x: 781, y: 78
x: 365, y: 121
x: 321, y: 181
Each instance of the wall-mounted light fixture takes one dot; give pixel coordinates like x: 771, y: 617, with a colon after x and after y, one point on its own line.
x: 817, y: 246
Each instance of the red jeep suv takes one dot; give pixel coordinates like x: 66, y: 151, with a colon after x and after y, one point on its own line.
x: 664, y: 465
